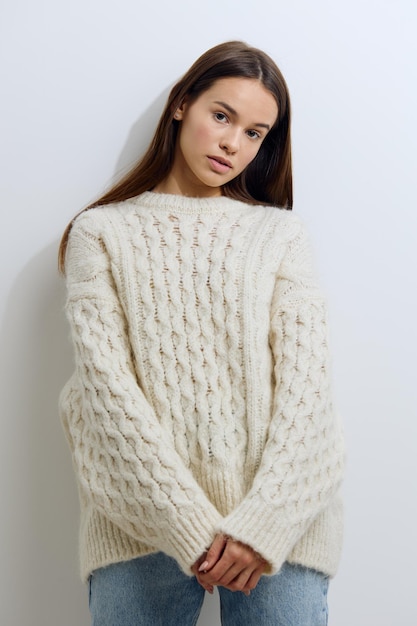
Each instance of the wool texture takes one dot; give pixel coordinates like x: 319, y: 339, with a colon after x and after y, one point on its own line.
x: 201, y: 398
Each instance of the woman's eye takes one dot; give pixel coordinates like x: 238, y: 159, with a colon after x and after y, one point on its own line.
x: 220, y: 117
x: 253, y: 134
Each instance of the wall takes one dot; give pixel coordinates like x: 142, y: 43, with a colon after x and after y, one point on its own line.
x: 82, y: 86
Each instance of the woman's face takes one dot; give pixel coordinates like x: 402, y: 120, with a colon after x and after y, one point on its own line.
x: 220, y: 133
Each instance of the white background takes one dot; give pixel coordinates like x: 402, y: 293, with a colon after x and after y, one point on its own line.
x: 82, y: 85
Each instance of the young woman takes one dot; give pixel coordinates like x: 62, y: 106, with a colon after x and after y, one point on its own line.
x: 200, y: 415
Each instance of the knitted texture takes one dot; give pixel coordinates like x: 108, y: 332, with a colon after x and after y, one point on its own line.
x: 201, y: 398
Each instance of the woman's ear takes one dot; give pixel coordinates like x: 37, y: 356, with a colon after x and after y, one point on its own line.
x: 179, y: 112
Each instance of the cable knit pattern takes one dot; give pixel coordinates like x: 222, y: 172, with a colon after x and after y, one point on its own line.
x: 201, y: 398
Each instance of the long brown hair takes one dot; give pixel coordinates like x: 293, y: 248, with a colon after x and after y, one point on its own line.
x: 266, y: 180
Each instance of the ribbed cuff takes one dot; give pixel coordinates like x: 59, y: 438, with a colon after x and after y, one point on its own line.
x: 192, y: 535
x: 253, y: 524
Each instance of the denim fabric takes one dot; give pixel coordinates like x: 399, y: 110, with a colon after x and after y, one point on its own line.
x: 153, y: 591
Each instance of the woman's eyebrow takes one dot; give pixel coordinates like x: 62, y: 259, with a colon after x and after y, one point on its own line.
x: 232, y: 111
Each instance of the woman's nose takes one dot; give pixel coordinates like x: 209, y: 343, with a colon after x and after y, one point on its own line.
x: 230, y: 141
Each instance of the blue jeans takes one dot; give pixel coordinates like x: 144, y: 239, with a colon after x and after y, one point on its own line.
x: 153, y: 591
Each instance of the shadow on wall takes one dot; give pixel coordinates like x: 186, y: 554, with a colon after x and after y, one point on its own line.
x: 42, y: 584
x: 140, y: 134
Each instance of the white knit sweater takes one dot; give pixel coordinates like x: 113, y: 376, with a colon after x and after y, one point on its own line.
x: 201, y: 395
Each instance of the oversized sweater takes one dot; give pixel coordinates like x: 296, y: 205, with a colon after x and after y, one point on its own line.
x: 201, y: 398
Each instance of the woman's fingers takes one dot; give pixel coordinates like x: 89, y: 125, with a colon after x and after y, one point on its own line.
x: 238, y: 568
x: 235, y: 558
x: 246, y: 581
x: 213, y: 554
x: 209, y: 588
x: 230, y: 564
x: 205, y: 584
x: 251, y: 582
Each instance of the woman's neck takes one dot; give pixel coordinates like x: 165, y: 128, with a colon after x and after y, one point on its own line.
x: 177, y: 186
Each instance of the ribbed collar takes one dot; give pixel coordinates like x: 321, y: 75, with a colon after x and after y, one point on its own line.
x: 189, y: 206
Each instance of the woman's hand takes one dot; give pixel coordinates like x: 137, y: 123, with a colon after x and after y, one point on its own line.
x: 230, y: 564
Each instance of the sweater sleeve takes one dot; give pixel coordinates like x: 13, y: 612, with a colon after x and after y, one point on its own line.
x: 124, y: 460
x: 302, y: 463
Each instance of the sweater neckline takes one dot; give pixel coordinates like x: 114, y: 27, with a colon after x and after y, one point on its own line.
x: 189, y: 205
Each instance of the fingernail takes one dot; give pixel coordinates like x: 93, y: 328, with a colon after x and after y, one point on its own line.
x: 203, y: 566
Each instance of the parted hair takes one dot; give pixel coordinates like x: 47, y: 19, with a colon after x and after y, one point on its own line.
x: 266, y: 180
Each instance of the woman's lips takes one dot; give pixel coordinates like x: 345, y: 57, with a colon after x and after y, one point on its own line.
x: 219, y: 165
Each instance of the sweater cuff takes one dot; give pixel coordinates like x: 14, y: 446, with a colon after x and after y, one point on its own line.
x: 193, y: 535
x: 261, y: 528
